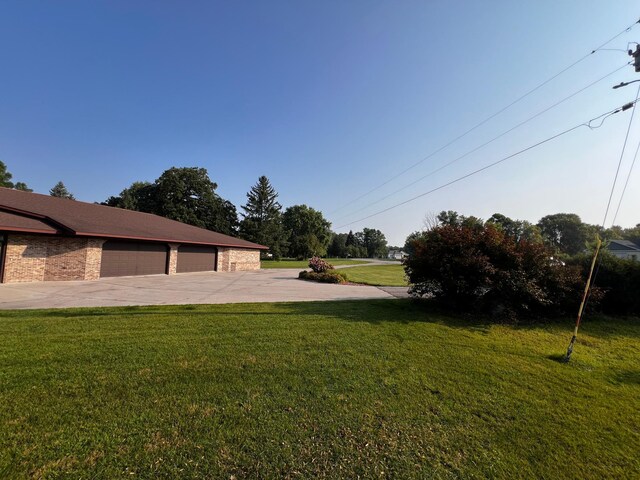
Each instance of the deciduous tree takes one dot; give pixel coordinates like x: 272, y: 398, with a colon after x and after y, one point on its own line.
x: 308, y: 231
x: 564, y: 232
x: 22, y: 186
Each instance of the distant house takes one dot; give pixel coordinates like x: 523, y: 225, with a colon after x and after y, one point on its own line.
x: 624, y: 249
x: 397, y: 255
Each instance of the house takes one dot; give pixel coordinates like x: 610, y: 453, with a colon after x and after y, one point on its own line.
x: 46, y: 238
x: 397, y: 255
x: 624, y: 249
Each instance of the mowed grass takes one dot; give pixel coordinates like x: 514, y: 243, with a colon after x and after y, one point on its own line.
x: 304, y: 264
x: 382, y: 275
x: 358, y: 389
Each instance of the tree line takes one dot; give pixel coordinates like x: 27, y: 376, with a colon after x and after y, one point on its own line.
x: 565, y: 234
x: 188, y: 195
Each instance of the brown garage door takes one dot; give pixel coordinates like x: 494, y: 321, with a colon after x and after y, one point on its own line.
x: 193, y: 258
x: 133, y: 258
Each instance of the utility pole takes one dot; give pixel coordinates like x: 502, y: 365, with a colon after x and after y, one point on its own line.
x: 635, y: 54
x: 636, y: 57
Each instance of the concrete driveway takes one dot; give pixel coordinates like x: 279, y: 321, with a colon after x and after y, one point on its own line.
x: 277, y: 285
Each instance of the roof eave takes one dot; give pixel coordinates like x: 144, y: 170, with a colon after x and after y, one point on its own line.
x: 170, y: 240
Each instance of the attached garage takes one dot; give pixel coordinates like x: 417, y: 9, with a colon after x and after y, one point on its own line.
x: 44, y: 238
x: 133, y: 258
x: 196, y: 258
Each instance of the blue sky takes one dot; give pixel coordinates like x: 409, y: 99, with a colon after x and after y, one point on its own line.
x: 328, y: 99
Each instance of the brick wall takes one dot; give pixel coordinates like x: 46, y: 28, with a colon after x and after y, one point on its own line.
x: 236, y: 259
x: 173, y: 258
x: 34, y: 258
x: 94, y: 259
x: 37, y: 258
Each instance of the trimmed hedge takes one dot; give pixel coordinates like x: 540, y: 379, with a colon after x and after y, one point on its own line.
x: 325, y: 277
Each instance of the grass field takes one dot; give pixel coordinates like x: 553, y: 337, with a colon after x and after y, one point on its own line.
x: 304, y: 264
x: 369, y: 389
x: 384, y: 275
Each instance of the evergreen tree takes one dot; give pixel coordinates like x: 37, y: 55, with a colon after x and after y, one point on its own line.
x: 5, y: 176
x: 60, y: 191
x: 262, y: 218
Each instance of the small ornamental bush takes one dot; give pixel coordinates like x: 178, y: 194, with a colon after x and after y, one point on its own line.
x: 319, y: 265
x: 324, y: 277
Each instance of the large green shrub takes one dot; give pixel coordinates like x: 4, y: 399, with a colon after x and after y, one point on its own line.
x: 481, y: 268
x: 618, y: 281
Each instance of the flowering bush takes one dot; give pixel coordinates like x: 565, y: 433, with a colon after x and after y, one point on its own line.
x: 318, y: 265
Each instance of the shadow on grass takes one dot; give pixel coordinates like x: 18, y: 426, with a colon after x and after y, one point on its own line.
x: 377, y: 311
x: 629, y: 377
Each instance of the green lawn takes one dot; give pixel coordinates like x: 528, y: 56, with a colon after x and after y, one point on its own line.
x: 304, y: 264
x: 359, y: 389
x: 385, y: 275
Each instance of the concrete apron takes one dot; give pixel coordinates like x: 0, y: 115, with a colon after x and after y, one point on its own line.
x: 277, y: 285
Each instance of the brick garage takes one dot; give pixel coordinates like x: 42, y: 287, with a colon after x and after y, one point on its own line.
x: 43, y: 238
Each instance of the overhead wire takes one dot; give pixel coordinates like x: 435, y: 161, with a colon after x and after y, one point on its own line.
x: 497, y: 137
x: 624, y: 189
x: 624, y: 146
x: 490, y: 165
x: 490, y: 117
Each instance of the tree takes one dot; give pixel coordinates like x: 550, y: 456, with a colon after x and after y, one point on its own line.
x: 308, y: 231
x: 632, y: 234
x: 351, y: 239
x: 517, y: 229
x: 374, y: 242
x: 188, y: 195
x: 5, y: 176
x: 453, y: 218
x: 22, y: 186
x: 183, y: 194
x: 59, y: 190
x: 338, y: 245
x: 139, y: 196
x: 262, y: 220
x: 564, y: 232
x: 412, y: 238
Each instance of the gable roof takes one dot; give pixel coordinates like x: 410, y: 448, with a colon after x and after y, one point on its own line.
x: 32, y: 212
x: 623, y: 245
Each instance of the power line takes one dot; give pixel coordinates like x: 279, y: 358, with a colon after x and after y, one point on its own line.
x: 490, y: 117
x: 486, y: 167
x: 613, y: 222
x: 475, y: 149
x: 624, y: 146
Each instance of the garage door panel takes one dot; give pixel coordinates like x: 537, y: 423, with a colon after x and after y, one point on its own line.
x: 132, y: 258
x: 194, y: 258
